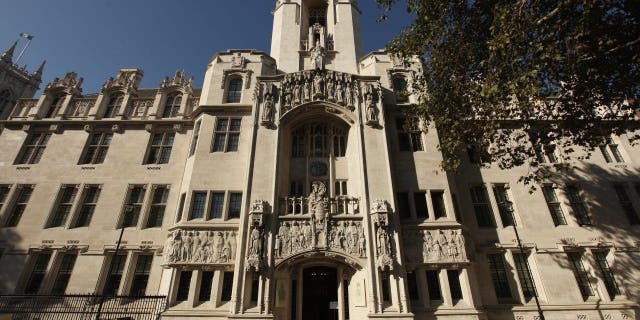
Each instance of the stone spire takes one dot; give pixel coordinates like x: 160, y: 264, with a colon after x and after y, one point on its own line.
x: 38, y: 73
x: 8, y: 55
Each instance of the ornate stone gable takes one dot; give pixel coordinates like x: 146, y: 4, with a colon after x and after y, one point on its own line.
x: 127, y: 81
x: 179, y: 82
x: 70, y: 84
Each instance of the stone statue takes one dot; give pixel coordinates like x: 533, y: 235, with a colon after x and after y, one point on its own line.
x: 317, y: 200
x: 317, y: 56
x: 339, y: 93
x: 307, y: 90
x: 318, y: 86
x: 268, y: 109
x: 255, y: 245
x: 372, y: 111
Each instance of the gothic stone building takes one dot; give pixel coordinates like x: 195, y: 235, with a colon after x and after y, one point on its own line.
x: 287, y: 187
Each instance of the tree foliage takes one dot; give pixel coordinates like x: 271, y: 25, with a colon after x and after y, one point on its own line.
x: 513, y: 77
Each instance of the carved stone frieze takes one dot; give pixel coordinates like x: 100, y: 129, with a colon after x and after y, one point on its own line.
x: 81, y: 107
x: 140, y: 107
x: 255, y: 245
x: 435, y: 246
x: 200, y: 247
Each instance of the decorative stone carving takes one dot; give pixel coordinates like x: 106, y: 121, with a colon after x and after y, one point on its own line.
x: 318, y: 202
x: 127, y: 81
x: 256, y: 238
x: 24, y: 107
x: 141, y: 107
x: 435, y: 246
x: 179, y: 81
x: 238, y: 61
x: 383, y: 234
x: 268, y: 104
x: 372, y: 94
x: 294, y: 236
x: 317, y: 56
x: 80, y: 107
x: 69, y: 84
x: 200, y: 247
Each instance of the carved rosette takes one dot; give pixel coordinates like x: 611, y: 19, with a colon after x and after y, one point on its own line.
x: 383, y: 234
x: 435, y: 246
x: 200, y: 247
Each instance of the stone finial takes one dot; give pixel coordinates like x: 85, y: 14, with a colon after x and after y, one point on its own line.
x: 69, y: 84
x: 179, y: 82
x: 127, y: 80
x: 7, y: 56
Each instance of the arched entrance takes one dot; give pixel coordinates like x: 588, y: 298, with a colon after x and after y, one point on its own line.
x: 320, y: 293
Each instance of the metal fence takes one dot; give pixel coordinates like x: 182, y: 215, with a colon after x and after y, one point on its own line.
x: 81, y: 307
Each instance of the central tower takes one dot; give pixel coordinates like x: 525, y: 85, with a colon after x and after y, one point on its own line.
x: 303, y: 30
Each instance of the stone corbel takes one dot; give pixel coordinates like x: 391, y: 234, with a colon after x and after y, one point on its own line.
x: 116, y: 128
x: 179, y: 128
x: 88, y: 128
x: 148, y: 127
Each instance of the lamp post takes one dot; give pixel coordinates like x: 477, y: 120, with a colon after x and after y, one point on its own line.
x: 508, y: 205
x: 128, y: 209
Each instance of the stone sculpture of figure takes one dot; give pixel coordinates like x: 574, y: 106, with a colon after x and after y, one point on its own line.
x: 256, y: 242
x: 453, y: 248
x: 339, y: 92
x: 442, y: 244
x: 285, y: 238
x: 317, y: 201
x: 188, y: 245
x: 226, y: 250
x: 308, y: 235
x: 459, y: 241
x: 331, y: 89
x: 384, y: 246
x: 231, y: 239
x: 294, y: 237
x: 427, y: 245
x: 352, y: 237
x: 348, y: 95
x: 337, y: 236
x: 170, y: 248
x: 318, y: 86
x: 317, y: 56
x: 197, y: 249
x: 297, y: 90
x: 372, y: 111
x: 307, y: 90
x: 268, y: 108
x: 362, y: 247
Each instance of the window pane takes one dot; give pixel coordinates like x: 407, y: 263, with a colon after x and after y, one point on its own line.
x: 420, y: 199
x: 64, y: 274
x: 217, y: 204
x: 183, y: 286
x: 437, y: 199
x: 582, y: 277
x: 218, y: 142
x: 66, y: 196
x: 198, y: 205
x: 235, y: 125
x: 403, y: 205
x: 481, y: 207
x: 113, y: 279
x: 607, y: 274
x: 433, y: 284
x: 222, y: 124
x: 158, y: 206
x: 91, y: 196
x: 554, y: 206
x: 578, y: 206
x: 499, y: 275
x: 37, y: 274
x: 233, y: 142
x: 522, y: 268
x: 454, y: 284
x: 205, y: 286
x: 22, y: 198
x: 227, y: 285
x: 235, y: 203
x: 502, y: 198
x: 416, y: 141
x: 141, y: 275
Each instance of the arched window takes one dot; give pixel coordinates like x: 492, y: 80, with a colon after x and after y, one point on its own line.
x: 319, y: 141
x: 298, y: 144
x: 400, y: 88
x: 114, y: 106
x: 5, y: 97
x: 54, y: 106
x: 234, y: 92
x: 172, y: 105
x: 339, y: 143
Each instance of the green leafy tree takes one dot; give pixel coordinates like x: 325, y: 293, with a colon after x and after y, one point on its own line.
x: 519, y: 77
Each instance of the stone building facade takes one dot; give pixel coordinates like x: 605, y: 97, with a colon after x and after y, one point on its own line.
x: 287, y: 187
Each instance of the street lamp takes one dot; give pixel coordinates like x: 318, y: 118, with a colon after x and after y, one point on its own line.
x: 508, y: 206
x: 128, y: 209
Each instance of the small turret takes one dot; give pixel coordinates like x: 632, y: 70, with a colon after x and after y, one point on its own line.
x: 7, y: 56
x: 38, y: 73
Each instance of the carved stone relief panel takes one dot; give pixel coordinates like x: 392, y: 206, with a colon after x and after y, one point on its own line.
x: 435, y: 246
x: 200, y: 247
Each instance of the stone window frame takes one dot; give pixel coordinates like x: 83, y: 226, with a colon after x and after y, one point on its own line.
x: 430, y: 208
x: 611, y: 151
x: 12, y: 202
x: 53, y: 105
x: 128, y: 269
x: 410, y: 136
x: 40, y: 145
x: 193, y: 295
x: 515, y: 217
x: 100, y: 146
x: 625, y: 200
x: 208, y: 205
x: 559, y: 220
x: 161, y: 147
x: 169, y: 108
x: 230, y: 74
x: 227, y: 132
x: 73, y: 223
x: 58, y: 202
x: 444, y: 286
x: 489, y: 203
x: 577, y: 204
x: 237, y: 94
x: 112, y: 109
x: 52, y: 270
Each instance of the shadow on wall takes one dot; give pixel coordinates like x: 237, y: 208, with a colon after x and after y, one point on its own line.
x: 10, y: 268
x: 611, y: 226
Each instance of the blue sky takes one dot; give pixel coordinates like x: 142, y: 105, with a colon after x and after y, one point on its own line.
x: 95, y: 38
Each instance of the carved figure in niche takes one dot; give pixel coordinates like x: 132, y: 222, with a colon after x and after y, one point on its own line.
x: 339, y: 93
x: 318, y: 86
x: 320, y: 235
x: 297, y: 91
x: 460, y: 243
x: 383, y: 245
x: 362, y: 247
x: 331, y: 89
x: 268, y: 108
x: 218, y: 244
x: 442, y: 244
x: 255, y: 247
x: 317, y: 56
x: 231, y: 239
x: 307, y: 90
x: 307, y: 235
x: 452, y: 246
x: 285, y: 239
x: 295, y: 240
x: 197, y: 249
x: 372, y: 111
x: 188, y: 244
x: 352, y: 237
x: 226, y: 251
x: 427, y: 245
x: 348, y: 95
x: 317, y: 200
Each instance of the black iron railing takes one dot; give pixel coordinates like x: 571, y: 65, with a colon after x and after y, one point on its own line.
x: 81, y: 307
